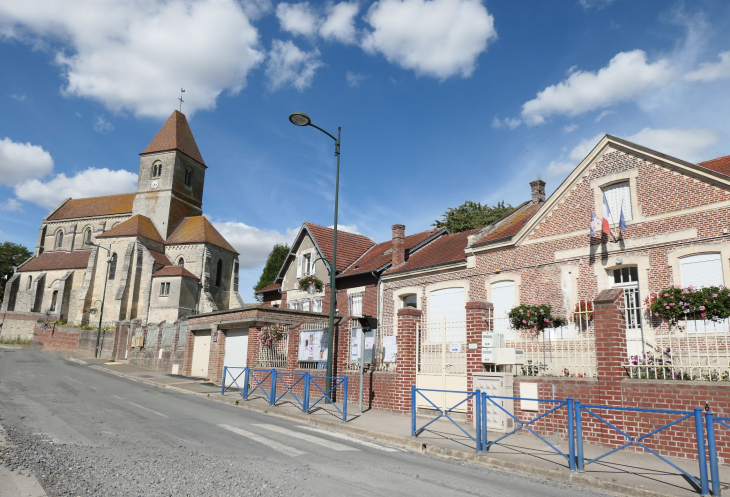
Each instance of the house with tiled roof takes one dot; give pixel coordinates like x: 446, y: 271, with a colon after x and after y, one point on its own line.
x: 149, y: 255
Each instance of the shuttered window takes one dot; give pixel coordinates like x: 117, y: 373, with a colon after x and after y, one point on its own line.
x: 618, y: 196
x: 356, y: 304
x: 503, y: 299
x: 299, y: 266
x: 701, y: 270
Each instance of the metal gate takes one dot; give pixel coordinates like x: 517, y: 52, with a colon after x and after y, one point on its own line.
x: 441, y: 361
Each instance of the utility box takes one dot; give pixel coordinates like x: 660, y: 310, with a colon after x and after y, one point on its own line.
x: 503, y: 356
x: 497, y: 385
x: 492, y: 340
x: 138, y: 341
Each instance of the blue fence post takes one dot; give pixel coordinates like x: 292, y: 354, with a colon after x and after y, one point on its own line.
x: 272, y: 399
x: 344, y: 403
x: 712, y: 449
x: 223, y: 384
x: 305, y: 407
x: 485, y: 438
x: 578, y: 435
x: 571, y: 435
x: 478, y: 418
x: 701, y: 455
x: 245, y: 383
x: 413, y: 410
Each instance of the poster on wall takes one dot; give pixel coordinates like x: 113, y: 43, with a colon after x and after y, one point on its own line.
x: 390, y: 349
x: 356, y: 345
x: 313, y: 345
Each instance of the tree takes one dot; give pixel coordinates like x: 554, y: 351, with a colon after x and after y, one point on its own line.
x: 471, y: 215
x: 11, y: 255
x: 271, y: 269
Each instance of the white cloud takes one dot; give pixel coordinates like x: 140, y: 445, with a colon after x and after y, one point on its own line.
x: 102, y: 126
x: 254, y: 244
x: 22, y: 161
x: 134, y: 55
x: 439, y: 38
x: 570, y: 128
x: 564, y: 165
x: 597, y: 4
x: 509, y: 122
x: 19, y: 98
x: 340, y: 22
x: 710, y: 71
x: 685, y: 144
x: 290, y: 66
x: 11, y: 204
x: 297, y: 18
x: 354, y: 79
x: 625, y: 77
x: 350, y: 228
x: 603, y: 114
x: 255, y: 9
x: 89, y: 183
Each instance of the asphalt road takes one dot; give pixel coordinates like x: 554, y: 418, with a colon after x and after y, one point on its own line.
x: 81, y: 431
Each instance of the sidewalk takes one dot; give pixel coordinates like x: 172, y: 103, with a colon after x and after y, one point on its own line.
x: 625, y: 472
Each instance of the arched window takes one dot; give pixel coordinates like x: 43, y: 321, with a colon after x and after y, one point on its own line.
x: 181, y: 262
x: 112, y: 266
x: 30, y: 282
x: 87, y: 235
x: 219, y: 273
x: 156, y: 169
x: 188, y: 177
x: 59, y: 239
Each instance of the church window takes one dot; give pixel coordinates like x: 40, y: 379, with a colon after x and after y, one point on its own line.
x: 87, y: 235
x: 181, y: 262
x: 164, y: 289
x: 112, y: 266
x: 30, y: 282
x: 189, y: 177
x: 54, y: 297
x: 59, y: 239
x: 157, y: 169
x: 219, y: 273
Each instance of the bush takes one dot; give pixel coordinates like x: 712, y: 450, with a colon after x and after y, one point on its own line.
x: 307, y: 281
x: 534, y: 318
x: 675, y: 303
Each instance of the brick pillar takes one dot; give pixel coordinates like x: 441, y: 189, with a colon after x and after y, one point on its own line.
x: 217, y: 353
x: 292, y: 353
x: 476, y: 323
x: 253, y: 347
x: 611, y: 353
x: 187, y: 365
x: 408, y: 319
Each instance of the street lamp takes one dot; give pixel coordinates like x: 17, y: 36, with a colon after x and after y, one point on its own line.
x: 302, y: 119
x: 106, y: 279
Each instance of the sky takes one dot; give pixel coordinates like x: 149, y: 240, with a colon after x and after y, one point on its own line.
x: 439, y: 101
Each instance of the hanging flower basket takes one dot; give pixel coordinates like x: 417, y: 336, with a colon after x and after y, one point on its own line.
x: 532, y: 319
x: 311, y: 281
x: 92, y: 310
x: 269, y: 335
x: 676, y: 304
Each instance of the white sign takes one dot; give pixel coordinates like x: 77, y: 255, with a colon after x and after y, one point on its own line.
x: 390, y: 349
x: 355, y: 347
x: 369, y: 342
x: 455, y: 347
x: 311, y: 345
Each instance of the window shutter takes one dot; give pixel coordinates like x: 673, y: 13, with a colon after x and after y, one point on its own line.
x: 299, y: 266
x: 619, y: 195
x: 701, y: 270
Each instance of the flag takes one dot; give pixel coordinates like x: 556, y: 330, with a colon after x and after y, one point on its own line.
x: 606, y: 228
x: 595, y: 223
x: 622, y: 221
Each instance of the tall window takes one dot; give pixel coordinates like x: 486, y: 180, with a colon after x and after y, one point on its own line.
x: 164, y: 289
x: 189, y: 177
x: 87, y: 235
x: 54, y: 297
x: 356, y: 304
x: 235, y: 275
x: 181, y: 262
x: 30, y: 282
x: 59, y: 239
x: 317, y: 304
x: 219, y: 273
x: 618, y: 197
x: 112, y: 266
x: 157, y: 169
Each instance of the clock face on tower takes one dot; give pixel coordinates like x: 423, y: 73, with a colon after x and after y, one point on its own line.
x: 154, y: 183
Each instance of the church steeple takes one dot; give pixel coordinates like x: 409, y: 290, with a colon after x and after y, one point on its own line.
x: 175, y: 134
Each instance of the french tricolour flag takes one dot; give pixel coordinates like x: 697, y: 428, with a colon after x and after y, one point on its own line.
x: 606, y: 213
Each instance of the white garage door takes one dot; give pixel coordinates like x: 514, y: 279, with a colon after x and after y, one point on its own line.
x: 503, y: 299
x: 701, y: 270
x: 201, y: 354
x: 236, y: 354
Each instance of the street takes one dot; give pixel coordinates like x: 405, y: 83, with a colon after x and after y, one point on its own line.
x: 86, y: 432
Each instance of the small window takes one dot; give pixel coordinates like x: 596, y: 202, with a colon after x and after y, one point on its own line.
x: 626, y: 275
x: 30, y: 282
x: 157, y: 169
x: 59, y: 239
x: 181, y: 262
x: 164, y: 289
x: 618, y: 198
x: 305, y: 305
x: 291, y: 305
x: 112, y: 266
x: 219, y: 273
x: 356, y: 304
x: 317, y: 304
x: 409, y: 301
x: 189, y: 177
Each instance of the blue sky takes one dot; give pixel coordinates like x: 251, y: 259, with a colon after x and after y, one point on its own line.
x: 440, y: 101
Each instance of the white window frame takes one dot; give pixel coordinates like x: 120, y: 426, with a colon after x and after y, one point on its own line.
x: 355, y: 299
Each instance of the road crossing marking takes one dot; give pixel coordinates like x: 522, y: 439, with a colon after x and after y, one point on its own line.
x: 349, y: 439
x: 284, y: 449
x: 309, y: 438
x: 77, y: 381
x: 150, y: 410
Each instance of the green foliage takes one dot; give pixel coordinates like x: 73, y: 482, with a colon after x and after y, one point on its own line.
x: 271, y: 269
x: 674, y: 303
x: 305, y: 282
x: 534, y: 318
x: 15, y: 341
x: 471, y: 215
x: 11, y: 255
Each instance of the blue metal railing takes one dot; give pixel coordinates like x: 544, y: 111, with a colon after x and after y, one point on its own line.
x: 445, y: 413
x: 696, y: 414
x: 567, y: 403
x: 710, y: 421
x: 277, y: 379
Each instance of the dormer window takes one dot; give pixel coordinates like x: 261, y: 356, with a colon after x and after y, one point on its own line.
x: 189, y: 178
x: 157, y: 169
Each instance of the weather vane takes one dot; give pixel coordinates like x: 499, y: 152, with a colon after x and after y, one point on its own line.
x: 181, y: 99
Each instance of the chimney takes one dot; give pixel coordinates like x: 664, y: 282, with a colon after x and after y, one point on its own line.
x: 538, y: 191
x: 398, y: 250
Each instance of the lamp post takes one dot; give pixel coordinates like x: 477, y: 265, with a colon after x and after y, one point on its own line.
x: 103, y: 297
x: 302, y: 119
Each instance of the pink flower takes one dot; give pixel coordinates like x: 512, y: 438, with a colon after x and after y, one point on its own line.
x: 524, y: 321
x: 546, y: 320
x: 666, y: 306
x: 702, y: 307
x: 714, y: 295
x: 666, y: 295
x: 703, y: 314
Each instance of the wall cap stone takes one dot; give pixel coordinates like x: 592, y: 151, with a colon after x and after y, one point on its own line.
x: 608, y: 296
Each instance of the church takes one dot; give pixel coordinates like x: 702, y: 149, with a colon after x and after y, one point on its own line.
x: 150, y: 255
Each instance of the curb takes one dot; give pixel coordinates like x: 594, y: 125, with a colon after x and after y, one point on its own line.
x: 415, y: 445
x: 77, y: 361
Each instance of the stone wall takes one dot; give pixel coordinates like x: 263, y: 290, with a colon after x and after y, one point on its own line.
x: 20, y: 325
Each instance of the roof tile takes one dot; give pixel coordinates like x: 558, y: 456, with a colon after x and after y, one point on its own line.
x: 197, y: 229
x: 135, y: 226
x: 160, y: 258
x: 447, y: 248
x: 174, y: 271
x: 720, y: 165
x: 268, y: 288
x: 48, y: 261
x: 175, y: 134
x: 110, y: 205
x: 513, y: 223
x: 350, y: 246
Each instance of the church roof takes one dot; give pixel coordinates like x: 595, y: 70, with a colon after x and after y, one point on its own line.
x: 111, y: 205
x: 197, y: 229
x: 135, y: 226
x: 49, y: 261
x: 175, y: 134
x: 174, y: 271
x: 160, y: 258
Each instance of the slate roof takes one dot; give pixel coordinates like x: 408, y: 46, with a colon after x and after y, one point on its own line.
x: 508, y: 226
x: 135, y: 226
x: 175, y: 134
x: 443, y: 250
x: 160, y: 258
x: 174, y: 271
x: 350, y: 246
x: 95, y: 206
x: 48, y: 261
x: 197, y: 229
x: 720, y: 165
x: 269, y: 288
x: 381, y: 254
